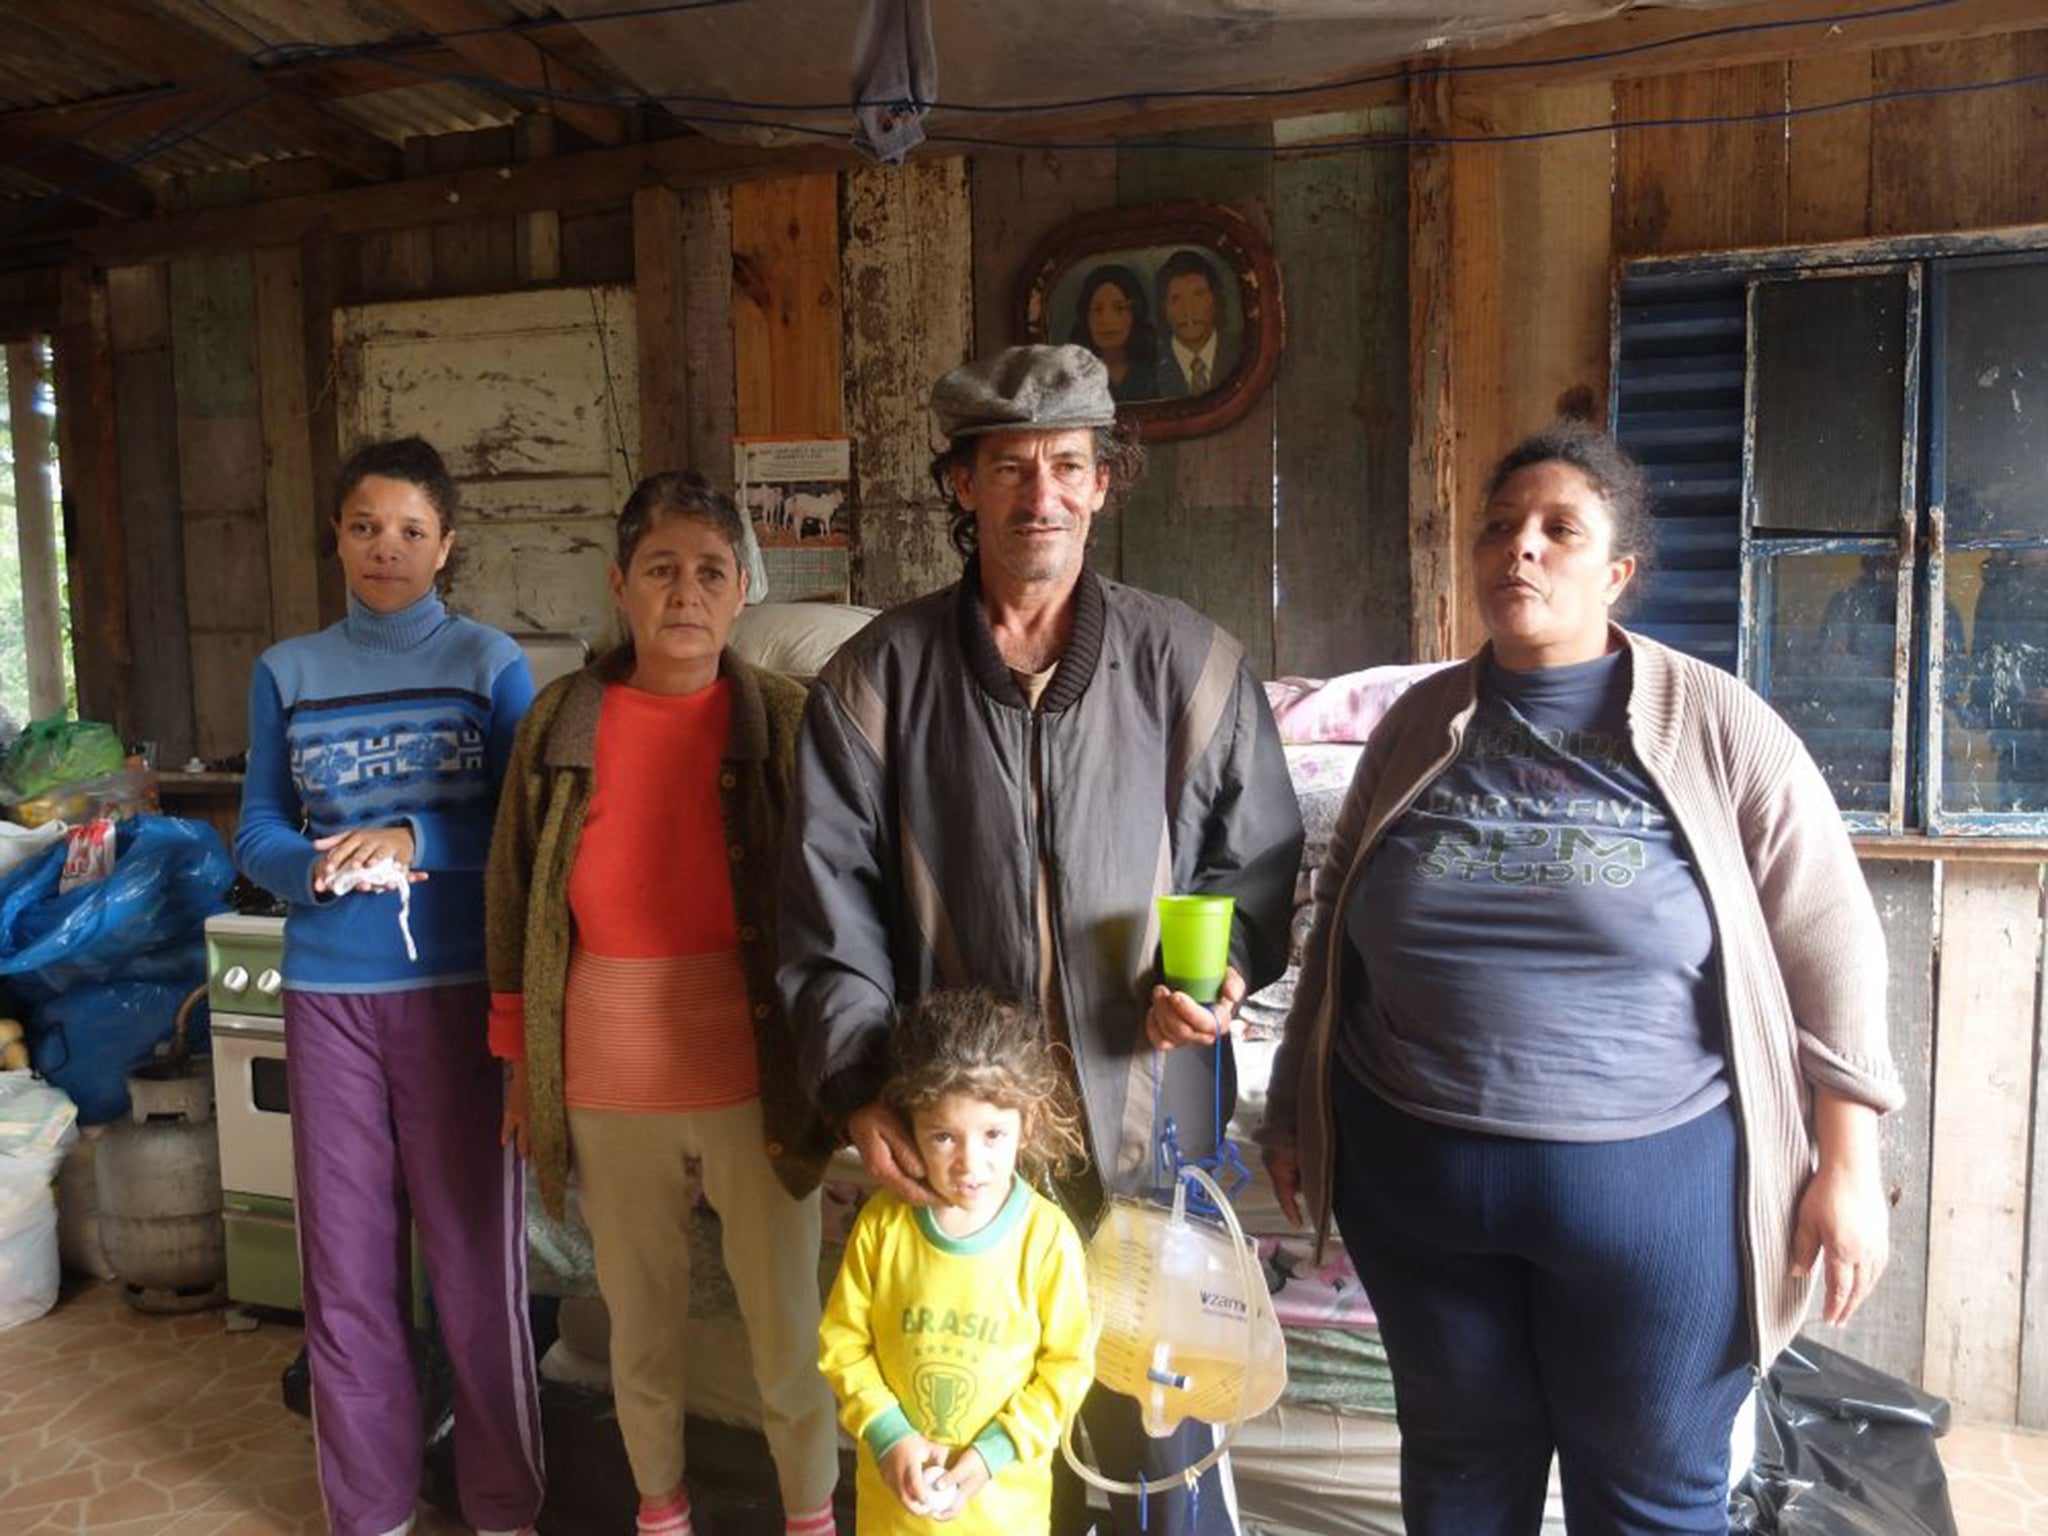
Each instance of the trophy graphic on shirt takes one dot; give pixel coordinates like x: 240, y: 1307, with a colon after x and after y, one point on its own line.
x: 943, y: 1393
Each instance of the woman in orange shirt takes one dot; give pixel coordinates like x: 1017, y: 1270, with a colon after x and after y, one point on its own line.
x: 632, y: 957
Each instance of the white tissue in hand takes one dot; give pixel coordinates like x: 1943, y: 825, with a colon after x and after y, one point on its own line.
x: 386, y: 874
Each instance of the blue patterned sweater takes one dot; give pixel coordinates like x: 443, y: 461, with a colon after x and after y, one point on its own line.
x: 381, y: 719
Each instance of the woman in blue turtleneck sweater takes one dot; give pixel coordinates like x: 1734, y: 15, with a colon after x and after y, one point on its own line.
x: 384, y: 737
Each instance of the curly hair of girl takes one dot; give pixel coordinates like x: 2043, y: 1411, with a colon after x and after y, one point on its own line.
x: 972, y: 1043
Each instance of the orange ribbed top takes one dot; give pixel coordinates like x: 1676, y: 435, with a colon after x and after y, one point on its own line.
x: 656, y: 1015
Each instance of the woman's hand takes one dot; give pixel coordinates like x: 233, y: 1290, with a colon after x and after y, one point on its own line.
x: 362, y: 846
x: 515, y: 1130
x: 1283, y: 1171
x: 1175, y: 1019
x: 1844, y: 1220
x: 907, y: 1469
x: 954, y: 1489
x: 878, y: 1135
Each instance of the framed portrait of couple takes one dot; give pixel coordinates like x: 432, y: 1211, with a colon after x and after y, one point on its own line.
x: 1181, y: 301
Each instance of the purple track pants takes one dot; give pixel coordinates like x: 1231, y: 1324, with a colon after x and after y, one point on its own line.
x: 395, y: 1105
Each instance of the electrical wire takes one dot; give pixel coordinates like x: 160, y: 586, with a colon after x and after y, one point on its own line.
x: 741, y: 114
x: 317, y: 52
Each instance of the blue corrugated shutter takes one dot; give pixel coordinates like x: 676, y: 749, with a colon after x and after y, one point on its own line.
x: 1677, y: 407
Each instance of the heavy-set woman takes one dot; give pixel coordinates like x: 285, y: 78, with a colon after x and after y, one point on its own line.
x: 632, y: 934
x: 1588, y: 1052
x: 384, y: 737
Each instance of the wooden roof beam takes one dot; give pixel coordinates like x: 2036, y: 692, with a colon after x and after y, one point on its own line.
x: 77, y: 172
x: 1650, y: 41
x: 130, y: 114
x: 161, y: 46
x: 538, y: 78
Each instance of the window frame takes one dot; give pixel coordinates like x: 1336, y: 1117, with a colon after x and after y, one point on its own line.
x: 1759, y: 550
x: 1915, y: 814
x: 1942, y: 822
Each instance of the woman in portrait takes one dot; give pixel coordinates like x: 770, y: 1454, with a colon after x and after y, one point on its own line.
x: 1113, y: 319
x: 1589, y: 1048
x: 632, y: 963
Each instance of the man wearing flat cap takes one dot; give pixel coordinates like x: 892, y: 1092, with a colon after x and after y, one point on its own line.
x: 994, y: 781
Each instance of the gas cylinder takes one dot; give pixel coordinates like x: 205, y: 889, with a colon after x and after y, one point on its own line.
x: 159, y: 1186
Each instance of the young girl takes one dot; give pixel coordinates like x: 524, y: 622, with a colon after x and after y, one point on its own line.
x: 956, y: 1335
x: 380, y: 742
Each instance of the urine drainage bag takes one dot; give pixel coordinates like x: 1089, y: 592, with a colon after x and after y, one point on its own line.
x: 1184, y: 1322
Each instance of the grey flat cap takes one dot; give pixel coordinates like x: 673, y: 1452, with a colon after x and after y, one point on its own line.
x: 1047, y: 389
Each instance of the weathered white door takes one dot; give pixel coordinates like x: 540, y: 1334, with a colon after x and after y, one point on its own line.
x: 533, y: 399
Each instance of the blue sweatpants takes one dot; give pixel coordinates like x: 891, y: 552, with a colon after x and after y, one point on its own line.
x: 1585, y: 1298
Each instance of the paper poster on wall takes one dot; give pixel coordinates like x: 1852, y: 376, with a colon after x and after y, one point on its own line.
x: 794, y: 490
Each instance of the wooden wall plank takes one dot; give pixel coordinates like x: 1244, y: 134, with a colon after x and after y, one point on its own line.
x: 1891, y: 1331
x: 1700, y: 188
x: 597, y: 246
x: 658, y: 301
x: 321, y: 258
x: 1530, y: 301
x: 1432, y: 328
x: 1200, y: 525
x: 1827, y: 187
x: 1959, y: 161
x: 2033, y: 1398
x: 291, y: 517
x: 708, y: 356
x: 908, y: 254
x: 1018, y: 201
x: 478, y: 255
x: 95, y: 537
x: 1984, y: 1073
x: 1341, y: 523
x: 788, y: 359
x: 538, y: 250
x: 145, y: 400
x: 221, y: 481
x: 35, y: 529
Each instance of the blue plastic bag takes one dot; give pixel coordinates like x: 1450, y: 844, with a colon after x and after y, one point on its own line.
x: 88, y: 1041
x: 146, y: 921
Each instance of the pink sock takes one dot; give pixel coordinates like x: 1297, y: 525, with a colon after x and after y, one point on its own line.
x: 670, y: 1519
x: 816, y: 1522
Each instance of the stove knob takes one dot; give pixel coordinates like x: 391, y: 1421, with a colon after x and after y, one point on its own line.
x: 270, y: 983
x: 235, y: 978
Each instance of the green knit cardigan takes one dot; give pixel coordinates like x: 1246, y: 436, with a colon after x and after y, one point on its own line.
x: 529, y: 930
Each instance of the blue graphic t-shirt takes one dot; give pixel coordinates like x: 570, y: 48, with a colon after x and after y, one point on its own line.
x: 1537, y: 951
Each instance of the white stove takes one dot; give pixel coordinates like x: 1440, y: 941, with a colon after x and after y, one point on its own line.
x: 245, y: 990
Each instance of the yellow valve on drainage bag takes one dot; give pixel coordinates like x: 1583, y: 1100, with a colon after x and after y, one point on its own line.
x: 1184, y: 1322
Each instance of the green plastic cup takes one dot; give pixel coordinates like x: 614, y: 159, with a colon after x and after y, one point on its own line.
x: 1194, y: 944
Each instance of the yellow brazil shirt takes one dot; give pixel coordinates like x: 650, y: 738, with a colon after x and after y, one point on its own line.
x: 979, y: 1341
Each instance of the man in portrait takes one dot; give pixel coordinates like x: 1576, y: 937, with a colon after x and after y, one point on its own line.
x: 1198, y: 354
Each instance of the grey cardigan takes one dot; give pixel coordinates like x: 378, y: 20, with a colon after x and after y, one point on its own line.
x: 1800, y: 948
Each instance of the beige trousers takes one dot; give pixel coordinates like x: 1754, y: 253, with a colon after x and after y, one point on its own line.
x: 632, y: 1186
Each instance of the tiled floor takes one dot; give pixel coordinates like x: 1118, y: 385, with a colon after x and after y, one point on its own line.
x: 1997, y: 1479
x: 123, y: 1425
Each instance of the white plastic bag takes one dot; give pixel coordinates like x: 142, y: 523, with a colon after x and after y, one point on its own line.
x: 18, y: 844
x: 29, y: 1270
x: 36, y: 1128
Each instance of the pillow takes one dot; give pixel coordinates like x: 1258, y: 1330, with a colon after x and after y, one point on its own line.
x: 1344, y: 708
x: 796, y: 638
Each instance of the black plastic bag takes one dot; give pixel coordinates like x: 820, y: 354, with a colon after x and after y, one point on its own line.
x: 1842, y: 1449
